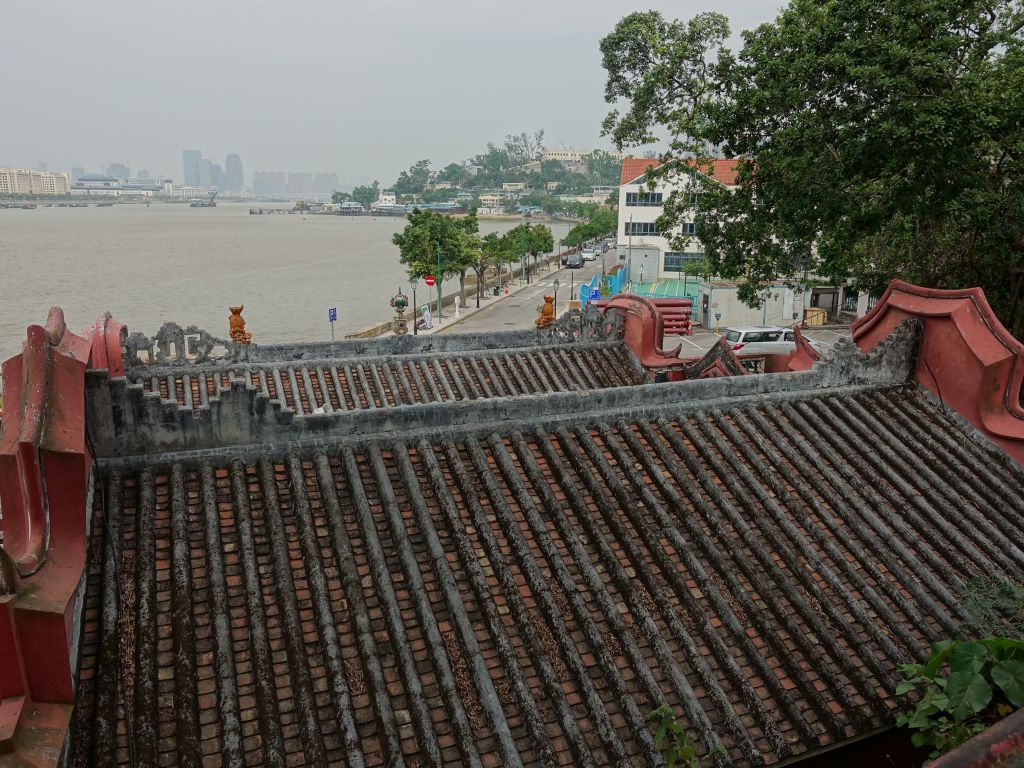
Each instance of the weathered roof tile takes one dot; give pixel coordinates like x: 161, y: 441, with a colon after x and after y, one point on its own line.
x: 530, y: 596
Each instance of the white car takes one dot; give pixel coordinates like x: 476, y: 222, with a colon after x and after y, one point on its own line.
x: 588, y: 254
x: 761, y: 340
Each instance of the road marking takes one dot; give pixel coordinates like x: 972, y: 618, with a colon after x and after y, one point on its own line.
x: 691, y: 343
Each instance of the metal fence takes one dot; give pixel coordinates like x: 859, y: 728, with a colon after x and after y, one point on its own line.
x: 615, y: 281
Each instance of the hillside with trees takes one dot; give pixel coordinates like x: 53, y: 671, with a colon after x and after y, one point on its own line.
x: 518, y: 159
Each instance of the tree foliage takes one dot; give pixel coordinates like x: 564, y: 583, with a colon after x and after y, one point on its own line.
x: 366, y: 194
x: 878, y: 139
x: 602, y: 221
x: 522, y: 148
x: 415, y: 180
x: 427, y: 232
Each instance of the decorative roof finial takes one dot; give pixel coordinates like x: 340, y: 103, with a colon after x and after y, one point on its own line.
x: 236, y: 326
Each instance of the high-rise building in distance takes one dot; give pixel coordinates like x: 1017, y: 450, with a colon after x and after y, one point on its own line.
x: 234, y: 178
x: 22, y: 181
x: 191, y: 158
x: 119, y: 170
x: 269, y: 183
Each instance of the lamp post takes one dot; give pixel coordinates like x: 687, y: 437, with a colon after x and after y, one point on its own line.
x: 415, y: 311
x: 556, y: 284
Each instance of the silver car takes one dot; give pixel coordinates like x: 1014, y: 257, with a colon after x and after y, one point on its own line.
x: 762, y: 340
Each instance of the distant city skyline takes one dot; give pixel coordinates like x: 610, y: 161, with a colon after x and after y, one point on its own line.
x: 363, y: 90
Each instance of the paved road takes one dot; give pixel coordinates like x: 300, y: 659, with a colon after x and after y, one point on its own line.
x: 519, y: 309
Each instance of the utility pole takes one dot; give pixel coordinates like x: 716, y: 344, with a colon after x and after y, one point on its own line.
x: 522, y: 251
x: 438, y: 281
x: 629, y: 254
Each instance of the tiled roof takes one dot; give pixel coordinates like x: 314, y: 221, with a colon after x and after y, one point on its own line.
x: 527, y: 598
x: 725, y: 171
x: 635, y: 167
x: 355, y: 384
x: 721, y: 169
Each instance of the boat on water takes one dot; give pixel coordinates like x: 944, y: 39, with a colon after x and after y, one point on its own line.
x: 198, y: 202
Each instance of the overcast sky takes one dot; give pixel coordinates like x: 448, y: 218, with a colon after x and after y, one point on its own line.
x: 362, y: 89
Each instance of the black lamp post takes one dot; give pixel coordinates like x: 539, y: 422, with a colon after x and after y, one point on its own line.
x: 556, y: 284
x: 415, y: 313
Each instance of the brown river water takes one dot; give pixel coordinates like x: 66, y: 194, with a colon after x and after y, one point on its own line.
x: 173, y: 262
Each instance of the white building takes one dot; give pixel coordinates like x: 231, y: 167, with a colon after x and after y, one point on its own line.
x: 573, y: 155
x: 21, y: 181
x: 646, y: 251
x: 513, y: 186
x: 384, y: 200
x: 192, y: 191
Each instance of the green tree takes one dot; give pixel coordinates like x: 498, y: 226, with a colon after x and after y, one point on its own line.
x: 426, y: 234
x: 415, y: 180
x: 453, y: 172
x: 366, y: 194
x: 340, y: 197
x: 878, y: 139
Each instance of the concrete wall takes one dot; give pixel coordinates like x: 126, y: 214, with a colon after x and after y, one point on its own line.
x: 782, y: 302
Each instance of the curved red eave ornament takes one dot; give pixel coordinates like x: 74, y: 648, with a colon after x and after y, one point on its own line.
x: 967, y: 358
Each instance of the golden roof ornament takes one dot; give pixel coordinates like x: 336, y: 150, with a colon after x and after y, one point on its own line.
x: 236, y: 326
x: 547, y: 312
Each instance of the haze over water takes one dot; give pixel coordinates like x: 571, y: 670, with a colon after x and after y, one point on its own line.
x: 172, y: 262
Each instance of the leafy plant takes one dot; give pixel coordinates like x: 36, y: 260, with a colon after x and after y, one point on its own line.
x: 962, y: 689
x: 671, y: 740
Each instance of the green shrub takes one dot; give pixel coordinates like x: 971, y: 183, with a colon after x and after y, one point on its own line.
x: 962, y: 689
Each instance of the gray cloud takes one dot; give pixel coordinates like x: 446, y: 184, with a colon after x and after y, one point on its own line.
x: 363, y: 89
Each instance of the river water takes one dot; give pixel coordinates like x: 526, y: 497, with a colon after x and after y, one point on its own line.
x: 173, y: 262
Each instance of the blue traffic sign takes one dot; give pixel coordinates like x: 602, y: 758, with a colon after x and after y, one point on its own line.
x: 332, y: 314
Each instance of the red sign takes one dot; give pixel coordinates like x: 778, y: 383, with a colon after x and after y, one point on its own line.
x: 429, y: 280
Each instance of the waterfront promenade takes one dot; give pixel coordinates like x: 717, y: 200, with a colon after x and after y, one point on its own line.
x: 520, y: 308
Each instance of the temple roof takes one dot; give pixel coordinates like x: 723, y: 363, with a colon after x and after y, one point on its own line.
x: 526, y: 586
x: 419, y: 571
x: 528, y: 596
x: 351, y: 384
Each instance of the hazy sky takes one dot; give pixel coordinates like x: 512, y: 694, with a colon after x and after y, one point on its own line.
x: 359, y: 88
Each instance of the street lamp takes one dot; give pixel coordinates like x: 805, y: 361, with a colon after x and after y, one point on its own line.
x: 415, y: 314
x: 556, y: 284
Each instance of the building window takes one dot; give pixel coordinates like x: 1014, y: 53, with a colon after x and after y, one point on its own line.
x: 689, y: 228
x: 674, y: 260
x: 641, y: 228
x: 643, y: 198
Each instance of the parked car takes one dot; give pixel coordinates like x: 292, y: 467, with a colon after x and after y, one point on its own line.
x: 574, y: 261
x: 761, y: 340
x: 589, y: 254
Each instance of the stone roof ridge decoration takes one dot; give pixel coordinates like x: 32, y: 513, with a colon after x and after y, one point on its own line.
x: 129, y: 421
x: 588, y: 324
x: 968, y: 360
x: 893, y: 361
x: 718, y: 361
x: 174, y: 345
